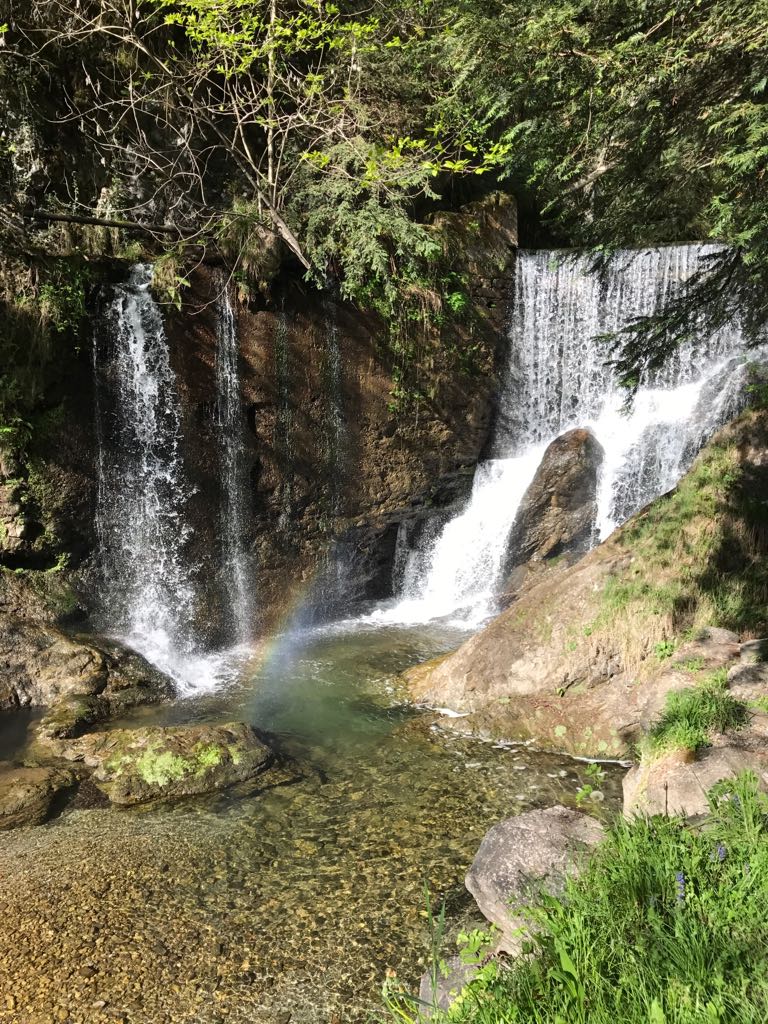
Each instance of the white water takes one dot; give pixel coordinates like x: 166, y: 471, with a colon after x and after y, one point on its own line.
x: 235, y: 567
x: 558, y: 379
x: 147, y: 592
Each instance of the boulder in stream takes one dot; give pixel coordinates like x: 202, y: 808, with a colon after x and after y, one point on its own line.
x: 30, y: 795
x: 558, y: 512
x: 134, y: 766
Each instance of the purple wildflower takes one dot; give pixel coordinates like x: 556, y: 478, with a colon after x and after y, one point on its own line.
x: 679, y: 888
x: 719, y: 853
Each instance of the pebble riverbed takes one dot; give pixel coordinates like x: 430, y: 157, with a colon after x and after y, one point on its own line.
x: 286, y: 901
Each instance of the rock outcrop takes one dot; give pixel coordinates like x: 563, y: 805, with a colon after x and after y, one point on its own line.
x: 558, y: 513
x: 679, y: 782
x: 582, y: 660
x: 520, y: 857
x: 80, y: 681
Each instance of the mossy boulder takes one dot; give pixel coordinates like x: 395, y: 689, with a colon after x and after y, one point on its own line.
x: 134, y: 766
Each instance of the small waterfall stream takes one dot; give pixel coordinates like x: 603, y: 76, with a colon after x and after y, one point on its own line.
x: 284, y: 424
x: 230, y: 423
x: 557, y: 379
x: 146, y: 592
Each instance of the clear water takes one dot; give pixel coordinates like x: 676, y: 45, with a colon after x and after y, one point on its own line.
x: 558, y: 378
x: 313, y: 877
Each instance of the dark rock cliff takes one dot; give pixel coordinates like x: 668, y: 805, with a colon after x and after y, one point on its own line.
x: 339, y: 449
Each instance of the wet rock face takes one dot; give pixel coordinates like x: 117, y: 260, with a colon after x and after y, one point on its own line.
x: 558, y: 513
x: 519, y: 856
x: 134, y: 766
x: 28, y: 796
x: 80, y: 681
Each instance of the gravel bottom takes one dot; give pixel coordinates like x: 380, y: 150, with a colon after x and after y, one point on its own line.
x: 285, y: 904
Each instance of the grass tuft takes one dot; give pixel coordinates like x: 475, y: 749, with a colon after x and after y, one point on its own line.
x: 690, y: 716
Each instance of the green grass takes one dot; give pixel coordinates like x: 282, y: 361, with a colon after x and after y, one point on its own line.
x: 667, y: 925
x: 698, y: 554
x: 691, y: 715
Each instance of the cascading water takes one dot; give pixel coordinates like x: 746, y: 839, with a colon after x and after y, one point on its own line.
x: 235, y: 569
x: 334, y: 418
x: 284, y: 424
x: 558, y: 378
x: 146, y: 594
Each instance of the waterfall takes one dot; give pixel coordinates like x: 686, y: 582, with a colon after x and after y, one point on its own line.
x: 146, y: 590
x: 284, y: 423
x: 230, y: 423
x: 558, y: 378
x: 334, y: 417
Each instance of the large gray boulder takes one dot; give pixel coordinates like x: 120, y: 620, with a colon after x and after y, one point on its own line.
x: 134, y: 766
x: 522, y: 855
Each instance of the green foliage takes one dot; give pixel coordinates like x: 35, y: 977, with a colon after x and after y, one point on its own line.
x: 666, y: 925
x: 690, y: 716
x: 633, y: 122
x: 42, y: 314
x: 665, y: 649
x: 590, y: 790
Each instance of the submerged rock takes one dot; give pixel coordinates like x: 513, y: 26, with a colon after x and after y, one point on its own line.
x: 29, y: 796
x: 519, y: 857
x: 134, y: 766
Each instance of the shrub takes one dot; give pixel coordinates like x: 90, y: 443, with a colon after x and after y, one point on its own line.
x: 691, y: 715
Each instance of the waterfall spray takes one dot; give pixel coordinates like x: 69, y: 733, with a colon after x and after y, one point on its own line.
x: 146, y: 590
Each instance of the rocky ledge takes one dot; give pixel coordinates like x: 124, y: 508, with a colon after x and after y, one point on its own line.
x: 582, y: 661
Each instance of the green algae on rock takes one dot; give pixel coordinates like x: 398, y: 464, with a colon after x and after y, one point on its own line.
x: 136, y: 766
